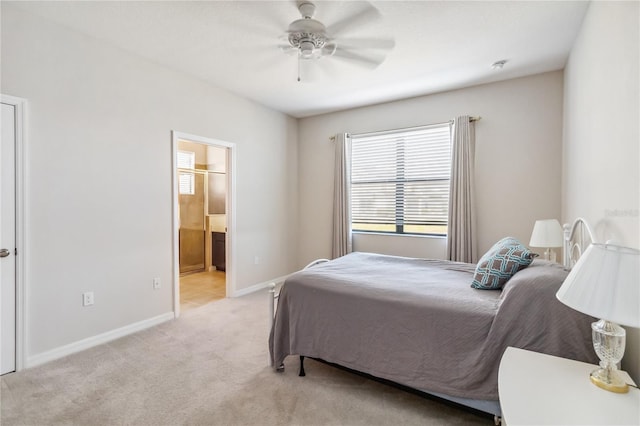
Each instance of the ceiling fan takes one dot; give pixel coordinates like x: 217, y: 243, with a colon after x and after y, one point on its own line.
x: 310, y: 39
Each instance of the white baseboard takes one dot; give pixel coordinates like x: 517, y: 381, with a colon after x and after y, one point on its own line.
x: 90, y: 342
x: 258, y: 287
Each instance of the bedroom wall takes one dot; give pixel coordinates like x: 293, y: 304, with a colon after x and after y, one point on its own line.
x: 518, y: 161
x: 99, y: 185
x: 601, y: 173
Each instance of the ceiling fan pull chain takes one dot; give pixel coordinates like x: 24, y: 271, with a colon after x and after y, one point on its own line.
x: 298, y: 67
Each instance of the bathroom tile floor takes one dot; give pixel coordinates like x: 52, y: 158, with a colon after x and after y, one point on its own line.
x: 200, y: 288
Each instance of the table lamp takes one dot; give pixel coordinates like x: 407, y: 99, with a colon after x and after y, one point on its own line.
x: 605, y: 283
x: 547, y: 233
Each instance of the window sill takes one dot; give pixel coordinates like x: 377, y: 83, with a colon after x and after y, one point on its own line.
x: 388, y: 234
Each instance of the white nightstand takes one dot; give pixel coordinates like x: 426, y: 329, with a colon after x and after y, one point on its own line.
x: 539, y: 389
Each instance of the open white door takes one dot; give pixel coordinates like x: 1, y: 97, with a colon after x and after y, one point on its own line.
x: 8, y: 239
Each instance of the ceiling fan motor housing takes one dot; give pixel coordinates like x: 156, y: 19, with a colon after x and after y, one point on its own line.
x: 307, y: 35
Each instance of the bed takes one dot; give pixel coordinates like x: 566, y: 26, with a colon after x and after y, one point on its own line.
x: 418, y: 323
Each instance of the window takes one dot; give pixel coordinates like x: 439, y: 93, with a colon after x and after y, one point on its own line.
x: 186, y: 184
x: 186, y: 180
x: 400, y: 180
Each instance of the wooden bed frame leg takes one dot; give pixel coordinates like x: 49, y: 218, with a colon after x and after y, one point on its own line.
x: 302, y: 373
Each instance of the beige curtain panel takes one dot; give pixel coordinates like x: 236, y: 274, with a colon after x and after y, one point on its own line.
x: 461, y: 235
x: 342, y: 241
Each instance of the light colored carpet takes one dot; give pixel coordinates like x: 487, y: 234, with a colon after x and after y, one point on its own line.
x: 210, y: 367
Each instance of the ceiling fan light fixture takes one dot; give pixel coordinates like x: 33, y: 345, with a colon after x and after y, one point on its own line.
x: 297, y: 39
x: 306, y: 49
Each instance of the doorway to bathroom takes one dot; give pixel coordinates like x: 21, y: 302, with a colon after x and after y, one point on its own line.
x: 203, y: 211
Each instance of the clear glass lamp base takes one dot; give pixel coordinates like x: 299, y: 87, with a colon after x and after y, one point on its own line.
x: 609, y: 380
x: 609, y: 343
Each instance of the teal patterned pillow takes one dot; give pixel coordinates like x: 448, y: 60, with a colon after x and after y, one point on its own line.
x: 500, y: 263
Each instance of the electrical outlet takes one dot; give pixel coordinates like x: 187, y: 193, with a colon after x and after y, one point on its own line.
x: 87, y: 298
x: 156, y: 283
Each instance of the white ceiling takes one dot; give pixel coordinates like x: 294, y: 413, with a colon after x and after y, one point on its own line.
x: 439, y: 45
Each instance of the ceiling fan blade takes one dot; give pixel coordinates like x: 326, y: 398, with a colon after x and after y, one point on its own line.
x: 366, y: 43
x: 367, y: 14
x: 369, y: 60
x: 288, y: 49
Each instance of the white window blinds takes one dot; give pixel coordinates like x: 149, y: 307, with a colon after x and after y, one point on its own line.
x: 400, y: 180
x: 186, y: 160
x: 186, y: 181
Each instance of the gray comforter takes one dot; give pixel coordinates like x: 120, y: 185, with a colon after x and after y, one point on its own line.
x: 418, y: 322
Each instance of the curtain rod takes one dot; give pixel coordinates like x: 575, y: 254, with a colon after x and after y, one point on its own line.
x: 471, y: 119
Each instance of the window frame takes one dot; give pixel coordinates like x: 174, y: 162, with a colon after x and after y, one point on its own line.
x: 400, y: 194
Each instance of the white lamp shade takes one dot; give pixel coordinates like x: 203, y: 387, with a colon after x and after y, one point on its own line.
x: 605, y: 283
x: 546, y: 233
